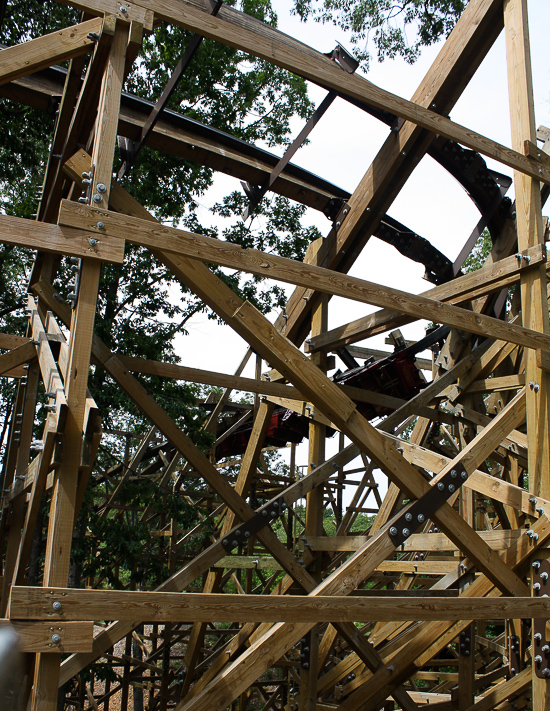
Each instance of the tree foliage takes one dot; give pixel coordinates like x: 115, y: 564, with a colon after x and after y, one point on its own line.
x: 395, y: 27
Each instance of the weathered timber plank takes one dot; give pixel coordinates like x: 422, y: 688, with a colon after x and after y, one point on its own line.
x: 59, y: 240
x: 133, y: 11
x: 32, y: 603
x: 36, y: 54
x: 37, y: 636
x: 433, y: 542
x: 206, y: 249
x: 17, y: 356
x: 267, y: 43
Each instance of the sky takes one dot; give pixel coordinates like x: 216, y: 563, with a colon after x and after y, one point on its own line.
x: 341, y: 148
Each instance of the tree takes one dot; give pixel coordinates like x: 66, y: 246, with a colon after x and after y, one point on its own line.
x: 141, y: 307
x: 389, y: 24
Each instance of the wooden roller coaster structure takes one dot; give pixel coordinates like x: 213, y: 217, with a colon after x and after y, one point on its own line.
x: 442, y: 600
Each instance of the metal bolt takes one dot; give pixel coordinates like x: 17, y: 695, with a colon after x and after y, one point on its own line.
x: 546, y: 648
x: 421, y: 518
x: 101, y: 188
x: 533, y: 500
x: 538, y: 659
x: 451, y: 488
x: 83, y: 200
x: 536, y: 388
x: 97, y: 197
x: 390, y: 668
x: 544, y: 576
x: 86, y: 181
x: 86, y: 175
x: 247, y: 534
x: 405, y: 532
x: 56, y: 638
x: 536, y: 586
x: 100, y: 225
x: 526, y: 258
x: 92, y: 242
x: 539, y: 510
x: 531, y: 384
x: 441, y: 486
x: 393, y: 531
x: 408, y: 517
x: 123, y: 8
x: 546, y: 672
x: 235, y: 543
x: 453, y: 473
x: 225, y: 542
x: 537, y: 637
x: 264, y: 513
x: 56, y: 606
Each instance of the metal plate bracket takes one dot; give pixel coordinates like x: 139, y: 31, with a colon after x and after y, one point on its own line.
x: 541, y: 647
x: 424, y: 508
x: 262, y: 518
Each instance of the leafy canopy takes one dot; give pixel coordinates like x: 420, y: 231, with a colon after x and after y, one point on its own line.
x: 395, y: 27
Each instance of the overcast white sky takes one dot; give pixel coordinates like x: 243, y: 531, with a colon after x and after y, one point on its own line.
x: 342, y: 147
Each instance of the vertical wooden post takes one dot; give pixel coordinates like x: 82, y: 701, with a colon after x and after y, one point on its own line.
x: 60, y: 528
x: 314, y: 518
x: 534, y: 299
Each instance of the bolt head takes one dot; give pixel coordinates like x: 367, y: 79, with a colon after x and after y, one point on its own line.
x: 92, y: 242
x: 96, y: 197
x: 100, y: 225
x: 405, y: 532
x: 123, y: 8
x: 56, y: 606
x: 451, y: 488
x: 453, y: 473
x: 393, y: 531
x: 101, y: 188
x: 408, y: 517
x: 56, y: 639
x: 441, y: 486
x: 421, y: 518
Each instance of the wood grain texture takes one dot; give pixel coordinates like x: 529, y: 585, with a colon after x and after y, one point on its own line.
x: 206, y: 249
x: 36, y: 604
x: 36, y: 54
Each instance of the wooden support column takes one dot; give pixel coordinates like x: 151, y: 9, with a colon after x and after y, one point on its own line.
x: 60, y: 528
x: 314, y: 520
x: 534, y: 299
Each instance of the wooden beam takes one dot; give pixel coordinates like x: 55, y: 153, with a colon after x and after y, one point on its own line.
x: 36, y: 637
x: 36, y: 54
x: 125, y: 13
x: 187, y: 244
x: 58, y: 240
x: 31, y: 603
x: 17, y: 356
x: 238, y: 30
x: 457, y: 291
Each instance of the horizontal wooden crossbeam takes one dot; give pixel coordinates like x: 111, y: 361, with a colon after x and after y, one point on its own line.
x: 36, y: 54
x: 37, y: 636
x: 207, y: 249
x: 38, y: 604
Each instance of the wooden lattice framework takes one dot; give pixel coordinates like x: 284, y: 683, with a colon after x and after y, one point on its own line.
x: 357, y: 622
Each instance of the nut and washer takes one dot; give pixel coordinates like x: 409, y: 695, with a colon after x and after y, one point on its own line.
x: 92, y: 242
x: 101, y: 188
x: 96, y: 197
